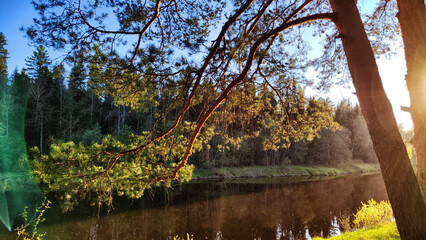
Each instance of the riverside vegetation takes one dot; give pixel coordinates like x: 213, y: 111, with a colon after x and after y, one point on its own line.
x: 372, y: 221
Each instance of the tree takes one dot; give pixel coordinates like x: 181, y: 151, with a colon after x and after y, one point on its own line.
x: 351, y: 118
x: 76, y: 100
x: 412, y: 19
x: 404, y: 195
x: 331, y: 148
x: 3, y: 54
x: 4, y: 105
x: 259, y: 40
x: 58, y: 95
x: 13, y: 100
x: 38, y: 110
x: 20, y: 92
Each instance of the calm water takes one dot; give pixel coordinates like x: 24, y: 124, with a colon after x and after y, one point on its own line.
x: 268, y: 209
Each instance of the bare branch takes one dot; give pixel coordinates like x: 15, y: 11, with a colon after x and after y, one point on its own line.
x: 155, y: 16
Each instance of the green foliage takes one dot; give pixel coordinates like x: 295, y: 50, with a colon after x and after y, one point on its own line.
x: 360, y: 144
x: 77, y: 171
x: 89, y: 136
x: 387, y: 231
x: 3, y: 54
x: 331, y: 148
x: 269, y: 171
x: 28, y: 230
x: 253, y: 111
x: 254, y: 127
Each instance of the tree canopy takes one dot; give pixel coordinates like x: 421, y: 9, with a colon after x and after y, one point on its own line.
x: 164, y: 67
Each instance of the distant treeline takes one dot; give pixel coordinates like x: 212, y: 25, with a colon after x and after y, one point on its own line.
x: 351, y: 142
x: 65, y: 109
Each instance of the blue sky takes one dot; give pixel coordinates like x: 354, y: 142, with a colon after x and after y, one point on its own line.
x: 13, y: 15
x: 17, y: 13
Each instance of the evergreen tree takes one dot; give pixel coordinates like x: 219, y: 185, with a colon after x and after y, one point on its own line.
x: 77, y: 99
x: 332, y: 148
x: 5, y: 104
x: 56, y: 101
x: 360, y: 142
x: 39, y: 112
x: 20, y: 92
x: 3, y: 54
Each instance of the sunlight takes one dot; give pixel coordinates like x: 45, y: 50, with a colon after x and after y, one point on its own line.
x: 392, y: 72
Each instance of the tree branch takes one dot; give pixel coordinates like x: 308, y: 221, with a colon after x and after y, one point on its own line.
x: 200, y: 72
x: 157, y: 11
x: 287, y: 24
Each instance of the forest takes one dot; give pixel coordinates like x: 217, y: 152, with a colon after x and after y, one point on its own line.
x: 148, y: 91
x: 66, y: 108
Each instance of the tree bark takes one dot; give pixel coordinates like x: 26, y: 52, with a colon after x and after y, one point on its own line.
x: 398, y: 175
x: 412, y: 20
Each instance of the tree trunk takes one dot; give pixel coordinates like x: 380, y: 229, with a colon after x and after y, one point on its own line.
x: 7, y: 119
x: 41, y: 132
x: 118, y: 118
x: 60, y: 106
x: 412, y: 19
x: 398, y: 175
x: 91, y: 108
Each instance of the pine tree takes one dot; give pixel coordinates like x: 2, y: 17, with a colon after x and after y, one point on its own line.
x: 38, y: 110
x: 77, y: 113
x: 4, y: 106
x: 3, y: 53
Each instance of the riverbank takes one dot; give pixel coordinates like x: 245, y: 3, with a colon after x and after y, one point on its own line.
x: 384, y: 231
x: 284, y: 171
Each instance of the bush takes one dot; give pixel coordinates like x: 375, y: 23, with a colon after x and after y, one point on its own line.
x: 372, y: 221
x: 369, y: 215
x: 372, y: 214
x: 28, y: 230
x: 345, y: 223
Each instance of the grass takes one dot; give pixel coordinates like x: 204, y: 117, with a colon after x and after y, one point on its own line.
x: 383, y: 231
x: 283, y: 171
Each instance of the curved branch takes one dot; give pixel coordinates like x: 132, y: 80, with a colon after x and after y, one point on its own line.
x: 157, y: 11
x: 200, y: 72
x: 243, y: 74
x: 140, y: 33
x: 253, y: 50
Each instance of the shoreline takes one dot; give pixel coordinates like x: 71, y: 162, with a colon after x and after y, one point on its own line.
x: 284, y: 171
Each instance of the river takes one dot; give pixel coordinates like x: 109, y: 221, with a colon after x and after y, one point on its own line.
x: 274, y: 208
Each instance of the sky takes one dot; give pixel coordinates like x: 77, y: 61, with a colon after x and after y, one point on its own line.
x: 17, y: 13
x: 13, y: 15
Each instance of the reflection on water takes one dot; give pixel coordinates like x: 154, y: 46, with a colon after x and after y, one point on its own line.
x: 226, y: 210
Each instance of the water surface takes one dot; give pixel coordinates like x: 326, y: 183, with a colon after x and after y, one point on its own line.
x: 241, y: 209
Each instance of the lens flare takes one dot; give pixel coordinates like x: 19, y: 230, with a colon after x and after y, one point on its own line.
x: 4, y: 211
x: 18, y: 188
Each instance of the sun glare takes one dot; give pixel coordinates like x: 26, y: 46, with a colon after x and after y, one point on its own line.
x: 392, y: 71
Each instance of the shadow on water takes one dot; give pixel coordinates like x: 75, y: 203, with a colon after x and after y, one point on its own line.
x: 266, y: 209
